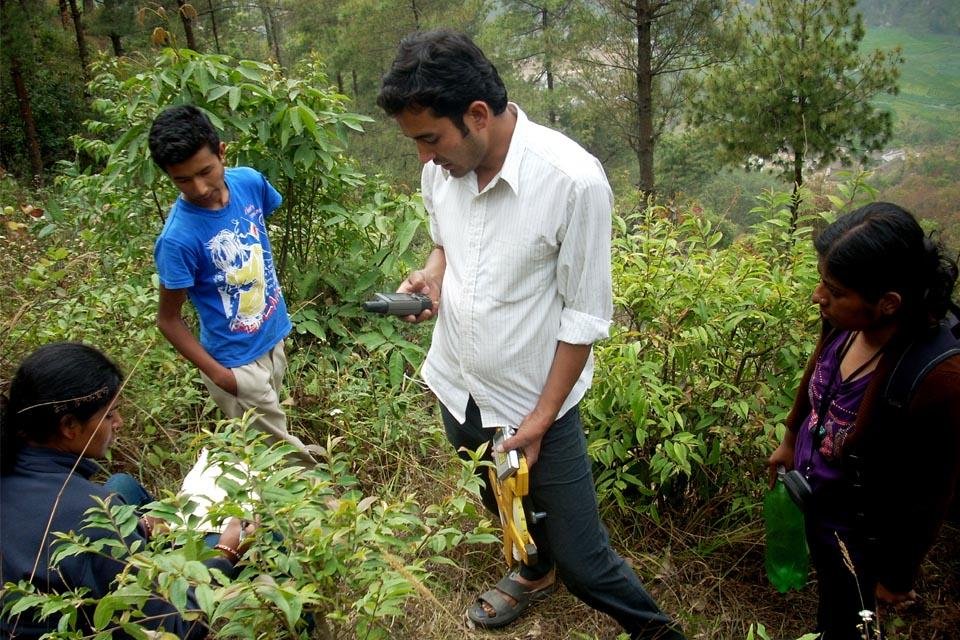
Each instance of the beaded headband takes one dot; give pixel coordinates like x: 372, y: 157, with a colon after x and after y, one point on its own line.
x: 63, y: 406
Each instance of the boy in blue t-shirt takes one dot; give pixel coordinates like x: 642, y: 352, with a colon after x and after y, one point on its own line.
x: 214, y: 250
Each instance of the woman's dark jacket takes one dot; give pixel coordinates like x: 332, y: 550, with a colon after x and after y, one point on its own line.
x: 27, y: 495
x: 904, y: 462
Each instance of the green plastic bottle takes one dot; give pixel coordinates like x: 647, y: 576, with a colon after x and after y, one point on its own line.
x: 787, y: 558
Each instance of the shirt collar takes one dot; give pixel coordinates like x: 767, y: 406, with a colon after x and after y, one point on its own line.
x: 46, y: 460
x: 510, y: 171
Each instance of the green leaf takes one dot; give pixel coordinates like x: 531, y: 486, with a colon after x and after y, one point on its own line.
x: 178, y: 593
x: 255, y: 75
x: 293, y: 117
x: 304, y: 156
x: 234, y: 98
x: 103, y: 613
x: 406, y: 232
x: 218, y: 92
x: 371, y: 340
x: 205, y: 598
x: 397, y: 365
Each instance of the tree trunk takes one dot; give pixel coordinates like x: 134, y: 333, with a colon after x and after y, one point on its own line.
x: 644, y: 79
x: 265, y: 12
x: 272, y: 29
x: 797, y: 183
x: 81, y: 42
x: 799, y: 154
x: 187, y: 25
x: 275, y: 29
x: 89, y: 6
x: 416, y: 14
x: 798, y: 168
x: 64, y: 14
x: 213, y: 24
x: 117, y: 41
x: 548, y: 67
x: 26, y: 117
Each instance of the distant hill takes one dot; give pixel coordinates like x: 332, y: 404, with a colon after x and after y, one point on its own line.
x: 927, y: 108
x: 932, y: 16
x: 927, y: 112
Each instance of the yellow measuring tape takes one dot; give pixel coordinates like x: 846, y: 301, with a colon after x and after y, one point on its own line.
x: 517, y: 542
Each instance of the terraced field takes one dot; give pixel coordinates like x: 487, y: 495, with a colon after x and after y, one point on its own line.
x: 929, y: 83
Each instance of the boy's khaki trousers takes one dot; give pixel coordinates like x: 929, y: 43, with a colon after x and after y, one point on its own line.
x: 258, y: 387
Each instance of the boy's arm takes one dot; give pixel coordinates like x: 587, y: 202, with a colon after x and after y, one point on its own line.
x: 174, y: 329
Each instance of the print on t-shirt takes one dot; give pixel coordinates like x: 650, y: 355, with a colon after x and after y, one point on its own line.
x: 248, y: 292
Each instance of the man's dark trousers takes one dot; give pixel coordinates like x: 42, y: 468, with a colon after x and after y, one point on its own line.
x: 571, y: 537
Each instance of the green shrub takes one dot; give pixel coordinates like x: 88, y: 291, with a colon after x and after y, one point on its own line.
x: 339, y: 234
x: 707, y: 349
x: 327, y: 558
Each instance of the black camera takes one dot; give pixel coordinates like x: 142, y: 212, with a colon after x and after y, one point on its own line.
x: 797, y: 487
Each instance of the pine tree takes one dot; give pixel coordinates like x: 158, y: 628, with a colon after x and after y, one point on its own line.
x: 799, y: 90
x: 642, y: 52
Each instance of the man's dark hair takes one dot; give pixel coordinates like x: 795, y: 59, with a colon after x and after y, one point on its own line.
x: 443, y: 71
x: 178, y: 133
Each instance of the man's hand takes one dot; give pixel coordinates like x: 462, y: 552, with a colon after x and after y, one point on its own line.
x: 428, y: 282
x: 529, y: 437
x: 419, y: 282
x: 568, y: 363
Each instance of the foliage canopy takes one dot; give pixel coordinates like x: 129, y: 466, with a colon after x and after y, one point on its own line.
x: 799, y: 90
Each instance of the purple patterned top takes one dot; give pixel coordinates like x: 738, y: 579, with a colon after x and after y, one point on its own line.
x: 819, y: 442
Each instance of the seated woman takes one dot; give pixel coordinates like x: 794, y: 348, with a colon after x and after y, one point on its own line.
x: 882, y: 475
x: 61, y: 415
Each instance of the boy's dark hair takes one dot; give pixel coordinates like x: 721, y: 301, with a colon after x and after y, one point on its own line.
x: 178, y: 133
x: 58, y: 379
x: 443, y: 71
x: 880, y: 247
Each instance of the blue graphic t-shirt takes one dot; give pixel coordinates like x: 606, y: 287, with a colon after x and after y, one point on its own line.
x: 224, y: 261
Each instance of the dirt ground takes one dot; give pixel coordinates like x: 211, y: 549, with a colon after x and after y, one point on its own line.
x: 715, y: 586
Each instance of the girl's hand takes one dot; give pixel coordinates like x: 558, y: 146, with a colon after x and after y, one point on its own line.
x: 234, y: 540
x: 152, y: 525
x: 782, y: 456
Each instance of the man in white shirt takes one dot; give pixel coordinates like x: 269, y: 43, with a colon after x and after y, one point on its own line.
x: 520, y: 216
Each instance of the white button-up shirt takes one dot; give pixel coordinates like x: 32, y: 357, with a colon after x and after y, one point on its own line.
x: 527, y: 265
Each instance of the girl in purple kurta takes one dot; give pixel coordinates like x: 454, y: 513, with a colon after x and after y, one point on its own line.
x: 881, y: 478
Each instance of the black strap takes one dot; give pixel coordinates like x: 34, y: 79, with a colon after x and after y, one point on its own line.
x: 919, y: 359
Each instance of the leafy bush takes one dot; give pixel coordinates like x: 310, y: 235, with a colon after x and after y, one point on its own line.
x: 708, y: 348
x: 339, y: 233
x: 327, y: 559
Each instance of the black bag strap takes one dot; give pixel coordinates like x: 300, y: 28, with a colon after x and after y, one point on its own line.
x: 919, y: 359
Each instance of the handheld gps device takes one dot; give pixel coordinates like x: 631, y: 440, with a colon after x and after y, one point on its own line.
x: 399, y: 304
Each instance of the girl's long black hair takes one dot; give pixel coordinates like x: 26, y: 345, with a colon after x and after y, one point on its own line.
x: 58, y: 379
x: 879, y: 248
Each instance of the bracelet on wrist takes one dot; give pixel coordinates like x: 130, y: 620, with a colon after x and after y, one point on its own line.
x: 232, y: 554
x: 147, y: 526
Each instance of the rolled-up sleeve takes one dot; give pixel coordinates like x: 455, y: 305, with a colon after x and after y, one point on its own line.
x: 583, y: 264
